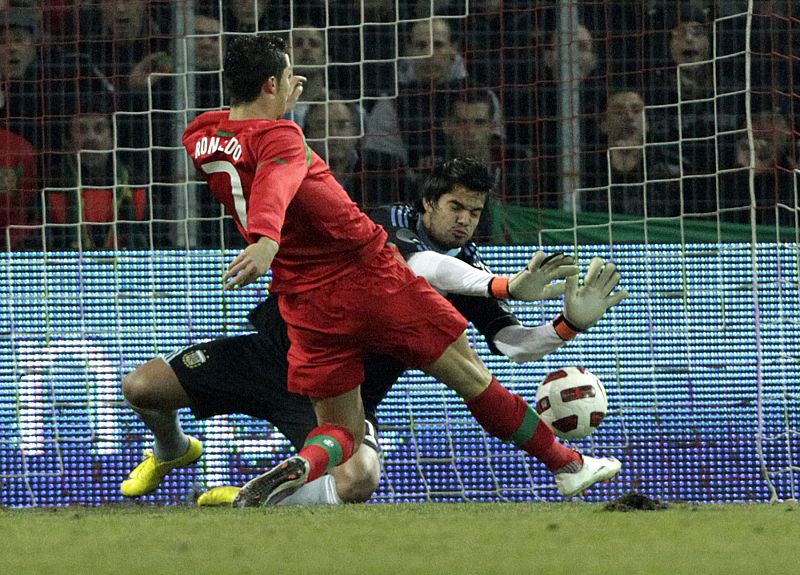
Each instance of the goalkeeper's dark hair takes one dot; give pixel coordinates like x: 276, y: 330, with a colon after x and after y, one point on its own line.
x: 466, y: 172
x: 249, y: 61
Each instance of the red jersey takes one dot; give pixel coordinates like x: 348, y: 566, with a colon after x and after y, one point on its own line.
x: 17, y: 189
x: 275, y: 185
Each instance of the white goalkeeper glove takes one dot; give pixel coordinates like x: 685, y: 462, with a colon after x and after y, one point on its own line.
x: 585, y: 305
x: 534, y: 282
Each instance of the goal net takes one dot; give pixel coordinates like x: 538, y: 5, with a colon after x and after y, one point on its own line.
x: 663, y: 138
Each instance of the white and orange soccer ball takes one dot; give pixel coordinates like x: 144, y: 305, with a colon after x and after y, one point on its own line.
x: 572, y: 401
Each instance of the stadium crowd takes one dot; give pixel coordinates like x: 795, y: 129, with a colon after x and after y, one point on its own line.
x: 631, y: 108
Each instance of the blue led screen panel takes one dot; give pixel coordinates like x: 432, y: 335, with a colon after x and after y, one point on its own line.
x: 701, y: 366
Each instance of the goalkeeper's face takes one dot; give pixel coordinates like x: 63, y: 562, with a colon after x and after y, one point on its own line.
x: 451, y: 220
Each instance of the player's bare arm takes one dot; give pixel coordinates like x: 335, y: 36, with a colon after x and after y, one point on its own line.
x: 252, y: 263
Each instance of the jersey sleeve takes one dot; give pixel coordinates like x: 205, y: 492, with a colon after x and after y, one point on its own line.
x: 488, y: 315
x: 399, y: 222
x: 283, y: 159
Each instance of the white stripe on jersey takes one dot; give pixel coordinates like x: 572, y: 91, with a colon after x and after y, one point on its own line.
x: 168, y: 357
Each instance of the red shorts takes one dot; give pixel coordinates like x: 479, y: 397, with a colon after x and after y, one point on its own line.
x: 379, y: 308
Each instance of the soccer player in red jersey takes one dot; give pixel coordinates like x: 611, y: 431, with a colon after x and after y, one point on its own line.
x: 342, y: 290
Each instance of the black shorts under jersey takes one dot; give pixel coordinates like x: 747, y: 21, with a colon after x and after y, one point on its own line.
x: 248, y: 374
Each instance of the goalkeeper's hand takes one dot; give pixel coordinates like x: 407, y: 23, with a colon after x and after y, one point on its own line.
x: 534, y: 282
x: 585, y: 305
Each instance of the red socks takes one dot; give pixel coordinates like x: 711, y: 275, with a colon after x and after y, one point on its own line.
x: 326, y: 447
x: 507, y: 416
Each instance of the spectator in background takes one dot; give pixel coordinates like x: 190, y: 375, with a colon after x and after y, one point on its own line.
x: 644, y: 179
x: 22, y: 78
x: 250, y: 16
x: 309, y: 56
x: 534, y: 117
x: 773, y: 179
x: 40, y: 85
x: 772, y: 142
x: 207, y: 61
x: 125, y: 40
x: 690, y: 48
x: 19, y: 197
x: 332, y: 130
x: 246, y: 16
x: 129, y: 46
x: 689, y: 110
x: 471, y: 129
x: 372, y: 72
x: 407, y: 129
x: 525, y: 107
x: 100, y: 203
x: 397, y: 127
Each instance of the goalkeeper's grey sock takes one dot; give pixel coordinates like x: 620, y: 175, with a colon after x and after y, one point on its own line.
x: 321, y: 491
x: 170, y: 440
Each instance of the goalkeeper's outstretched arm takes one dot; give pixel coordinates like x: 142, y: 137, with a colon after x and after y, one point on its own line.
x: 534, y: 283
x: 583, y: 307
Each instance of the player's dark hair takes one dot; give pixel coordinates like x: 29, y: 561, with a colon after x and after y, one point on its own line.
x: 466, y: 172
x: 249, y: 61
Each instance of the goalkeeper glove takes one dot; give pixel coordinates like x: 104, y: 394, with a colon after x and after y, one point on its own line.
x: 585, y: 305
x: 534, y: 282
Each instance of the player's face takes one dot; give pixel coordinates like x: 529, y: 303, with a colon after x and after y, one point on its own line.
x: 17, y: 51
x: 206, y: 44
x: 689, y: 43
x: 282, y: 93
x: 624, y: 122
x: 452, y: 219
x: 469, y: 129
x: 93, y: 137
x: 433, y: 41
x: 125, y: 18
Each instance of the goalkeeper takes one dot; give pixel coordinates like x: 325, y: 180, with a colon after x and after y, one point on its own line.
x: 216, y: 377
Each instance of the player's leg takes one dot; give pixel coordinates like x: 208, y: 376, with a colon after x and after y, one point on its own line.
x: 339, y: 432
x: 359, y: 477
x: 212, y: 378
x: 355, y: 481
x: 154, y: 392
x: 509, y: 417
x: 326, y: 364
x: 423, y: 330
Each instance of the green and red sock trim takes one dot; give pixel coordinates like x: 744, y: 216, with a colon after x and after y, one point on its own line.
x: 326, y: 447
x: 507, y: 416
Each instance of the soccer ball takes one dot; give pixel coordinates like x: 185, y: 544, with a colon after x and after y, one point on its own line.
x: 572, y: 401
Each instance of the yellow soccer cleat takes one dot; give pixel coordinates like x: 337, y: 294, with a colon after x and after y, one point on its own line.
x: 218, y: 496
x: 150, y: 472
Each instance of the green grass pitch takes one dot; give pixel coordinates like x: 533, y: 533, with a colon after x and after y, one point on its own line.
x: 526, y: 538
